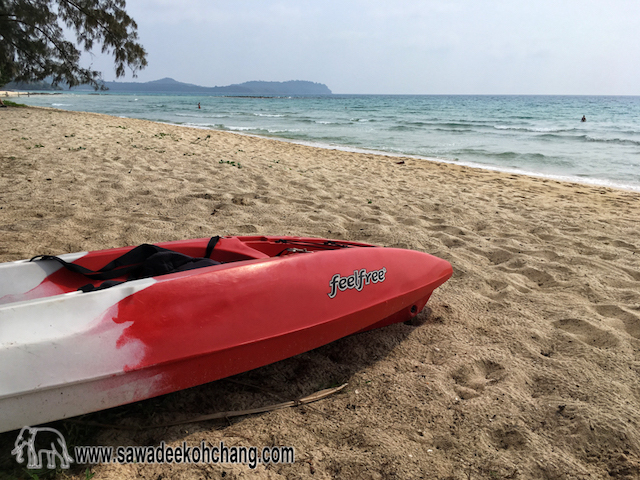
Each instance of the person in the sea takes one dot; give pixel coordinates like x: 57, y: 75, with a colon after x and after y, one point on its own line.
x: 584, y: 118
x: 198, y: 105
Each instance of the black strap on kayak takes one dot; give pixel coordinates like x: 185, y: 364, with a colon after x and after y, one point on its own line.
x: 122, y: 266
x: 143, y: 261
x: 211, y: 245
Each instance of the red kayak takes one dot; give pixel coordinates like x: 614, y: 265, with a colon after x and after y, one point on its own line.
x: 88, y: 331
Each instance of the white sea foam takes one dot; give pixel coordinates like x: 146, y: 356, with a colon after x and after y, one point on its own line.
x: 240, y: 129
x: 529, y: 129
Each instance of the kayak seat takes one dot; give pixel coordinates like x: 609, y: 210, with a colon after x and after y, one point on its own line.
x: 143, y: 261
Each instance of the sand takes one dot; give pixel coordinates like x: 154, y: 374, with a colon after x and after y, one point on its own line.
x: 524, y: 365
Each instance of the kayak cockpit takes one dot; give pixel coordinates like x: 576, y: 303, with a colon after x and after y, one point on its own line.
x: 49, y: 276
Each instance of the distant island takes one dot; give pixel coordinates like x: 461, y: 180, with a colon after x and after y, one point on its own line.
x: 169, y: 85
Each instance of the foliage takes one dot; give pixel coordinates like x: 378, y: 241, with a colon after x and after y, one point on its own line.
x: 33, y: 45
x: 9, y: 103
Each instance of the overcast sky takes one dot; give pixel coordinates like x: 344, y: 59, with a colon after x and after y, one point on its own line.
x: 395, y: 46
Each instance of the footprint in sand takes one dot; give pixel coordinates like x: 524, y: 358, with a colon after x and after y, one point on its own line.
x: 543, y: 279
x: 471, y: 380
x: 499, y: 256
x: 496, y: 290
x: 587, y: 333
x: 630, y: 320
x: 511, y: 436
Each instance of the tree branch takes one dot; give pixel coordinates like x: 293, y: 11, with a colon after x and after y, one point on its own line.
x: 86, y: 14
x: 63, y: 54
x: 34, y: 44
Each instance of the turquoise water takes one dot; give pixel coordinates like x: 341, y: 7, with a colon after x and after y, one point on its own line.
x: 538, y: 135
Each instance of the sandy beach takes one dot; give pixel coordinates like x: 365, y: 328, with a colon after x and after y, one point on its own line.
x: 524, y: 365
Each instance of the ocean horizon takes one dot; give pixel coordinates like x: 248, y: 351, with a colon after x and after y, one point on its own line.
x: 539, y: 135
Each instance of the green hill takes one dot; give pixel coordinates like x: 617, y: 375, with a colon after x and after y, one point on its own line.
x: 169, y: 85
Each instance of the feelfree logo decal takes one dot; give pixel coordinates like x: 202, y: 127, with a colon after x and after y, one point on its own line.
x: 357, y: 281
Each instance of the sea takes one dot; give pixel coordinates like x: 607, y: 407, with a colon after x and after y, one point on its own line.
x: 533, y: 135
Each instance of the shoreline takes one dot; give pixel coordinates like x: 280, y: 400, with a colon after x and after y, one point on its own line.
x: 513, y: 171
x: 524, y: 364
x: 364, y: 151
x: 618, y: 183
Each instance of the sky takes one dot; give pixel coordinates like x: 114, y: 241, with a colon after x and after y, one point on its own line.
x: 558, y: 47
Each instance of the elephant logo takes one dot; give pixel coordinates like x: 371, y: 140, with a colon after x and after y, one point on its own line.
x: 39, y: 441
